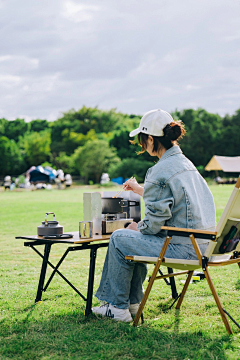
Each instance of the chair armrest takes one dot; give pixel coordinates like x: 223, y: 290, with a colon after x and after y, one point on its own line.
x: 203, y: 234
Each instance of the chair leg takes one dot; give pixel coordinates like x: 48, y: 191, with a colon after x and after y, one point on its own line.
x: 179, y: 303
x: 210, y: 283
x: 151, y: 281
x: 218, y: 302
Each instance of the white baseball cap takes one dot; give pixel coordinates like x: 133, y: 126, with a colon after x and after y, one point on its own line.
x: 153, y: 123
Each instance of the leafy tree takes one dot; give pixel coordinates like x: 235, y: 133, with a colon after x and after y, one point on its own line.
x: 207, y: 134
x: 82, y: 121
x: 130, y: 167
x: 102, y: 121
x: 125, y: 149
x: 65, y: 129
x: 38, y: 125
x: 11, y: 162
x: 229, y: 140
x: 202, y: 136
x: 3, y: 124
x: 36, y: 147
x: 16, y: 128
x: 86, y: 119
x: 94, y: 158
x: 66, y: 163
x: 48, y: 164
x: 73, y: 140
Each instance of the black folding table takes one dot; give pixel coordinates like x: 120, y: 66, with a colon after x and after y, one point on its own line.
x: 93, y: 244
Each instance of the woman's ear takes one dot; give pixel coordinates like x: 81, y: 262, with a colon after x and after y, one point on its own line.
x: 150, y: 138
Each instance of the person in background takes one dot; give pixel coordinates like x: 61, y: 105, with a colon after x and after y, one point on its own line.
x: 68, y: 180
x: 7, y: 182
x: 175, y: 194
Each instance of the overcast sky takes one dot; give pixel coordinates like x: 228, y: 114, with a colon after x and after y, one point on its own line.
x: 130, y: 55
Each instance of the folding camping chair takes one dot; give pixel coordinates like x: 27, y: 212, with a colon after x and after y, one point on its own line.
x: 223, y: 249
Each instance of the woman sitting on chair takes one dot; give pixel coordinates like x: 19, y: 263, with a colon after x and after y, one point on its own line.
x: 175, y: 194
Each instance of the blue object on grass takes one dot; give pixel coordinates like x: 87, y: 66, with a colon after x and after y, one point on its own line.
x: 118, y: 180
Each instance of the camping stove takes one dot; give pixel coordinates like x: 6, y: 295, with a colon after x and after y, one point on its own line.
x: 104, y: 219
x: 112, y: 222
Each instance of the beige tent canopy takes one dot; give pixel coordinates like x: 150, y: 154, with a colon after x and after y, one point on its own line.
x: 224, y: 163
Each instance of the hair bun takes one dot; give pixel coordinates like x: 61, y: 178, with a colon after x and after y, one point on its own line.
x: 174, y: 130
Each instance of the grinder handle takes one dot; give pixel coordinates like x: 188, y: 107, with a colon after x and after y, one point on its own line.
x: 48, y: 213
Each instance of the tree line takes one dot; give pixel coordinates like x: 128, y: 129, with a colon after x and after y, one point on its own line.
x: 90, y: 141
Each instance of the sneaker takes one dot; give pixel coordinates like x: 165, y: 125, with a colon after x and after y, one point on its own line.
x: 133, y: 308
x: 113, y: 312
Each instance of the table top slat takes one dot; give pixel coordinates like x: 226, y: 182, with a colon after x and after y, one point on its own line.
x: 74, y: 240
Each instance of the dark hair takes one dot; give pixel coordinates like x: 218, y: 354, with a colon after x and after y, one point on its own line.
x: 172, y: 132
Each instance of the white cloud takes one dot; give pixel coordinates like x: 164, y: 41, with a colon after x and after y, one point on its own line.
x: 190, y: 87
x: 232, y: 37
x: 78, y: 12
x: 16, y: 64
x: 2, y: 3
x: 5, y: 58
x: 9, y: 80
x: 27, y: 118
x: 133, y: 55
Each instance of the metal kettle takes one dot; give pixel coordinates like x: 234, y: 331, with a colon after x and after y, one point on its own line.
x: 49, y: 227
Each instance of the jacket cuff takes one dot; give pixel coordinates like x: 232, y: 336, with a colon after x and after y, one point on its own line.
x: 141, y: 225
x: 144, y: 229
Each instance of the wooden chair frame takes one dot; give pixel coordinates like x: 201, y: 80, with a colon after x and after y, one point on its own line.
x: 189, y: 266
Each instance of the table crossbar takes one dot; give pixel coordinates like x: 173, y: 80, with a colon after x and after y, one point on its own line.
x: 58, y: 272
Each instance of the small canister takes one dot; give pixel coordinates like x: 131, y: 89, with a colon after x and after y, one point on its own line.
x: 85, y: 229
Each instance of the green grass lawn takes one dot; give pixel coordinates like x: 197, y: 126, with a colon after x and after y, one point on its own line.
x: 57, y: 328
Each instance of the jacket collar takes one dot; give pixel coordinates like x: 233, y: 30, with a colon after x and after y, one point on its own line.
x: 172, y: 151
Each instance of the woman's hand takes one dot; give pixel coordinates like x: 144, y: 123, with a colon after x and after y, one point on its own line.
x: 133, y: 226
x: 133, y: 185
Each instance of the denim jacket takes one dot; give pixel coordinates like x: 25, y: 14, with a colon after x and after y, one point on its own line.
x: 175, y: 194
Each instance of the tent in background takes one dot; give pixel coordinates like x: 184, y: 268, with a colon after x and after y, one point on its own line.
x: 224, y: 163
x: 39, y: 174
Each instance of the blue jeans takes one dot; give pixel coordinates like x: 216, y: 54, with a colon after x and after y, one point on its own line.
x: 121, y: 282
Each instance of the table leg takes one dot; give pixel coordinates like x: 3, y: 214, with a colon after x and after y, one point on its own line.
x: 93, y: 255
x: 43, y: 272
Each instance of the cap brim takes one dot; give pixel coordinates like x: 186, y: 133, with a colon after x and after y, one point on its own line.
x: 134, y: 132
